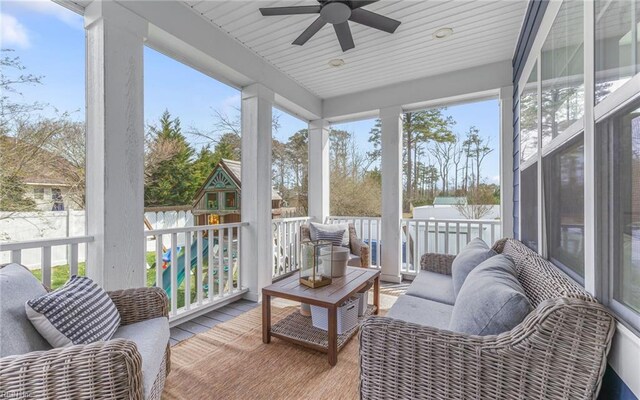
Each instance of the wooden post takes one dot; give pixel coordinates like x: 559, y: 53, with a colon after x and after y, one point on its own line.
x: 391, y: 168
x: 319, y: 193
x: 115, y: 146
x: 257, y: 237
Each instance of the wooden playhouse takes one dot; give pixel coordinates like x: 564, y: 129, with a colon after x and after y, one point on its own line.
x: 218, y: 200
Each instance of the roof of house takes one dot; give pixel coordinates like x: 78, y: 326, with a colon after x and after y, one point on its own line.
x: 449, y: 201
x: 44, y: 168
x: 234, y: 170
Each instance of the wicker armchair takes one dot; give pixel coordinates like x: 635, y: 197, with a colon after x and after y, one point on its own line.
x: 356, y: 246
x: 558, y: 352
x: 101, y: 370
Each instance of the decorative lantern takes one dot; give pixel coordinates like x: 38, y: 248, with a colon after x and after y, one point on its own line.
x: 315, y: 266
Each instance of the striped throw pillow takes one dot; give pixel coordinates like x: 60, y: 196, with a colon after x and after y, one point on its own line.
x: 80, y: 312
x: 335, y: 237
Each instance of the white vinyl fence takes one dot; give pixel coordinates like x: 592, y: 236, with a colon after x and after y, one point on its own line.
x: 46, y: 225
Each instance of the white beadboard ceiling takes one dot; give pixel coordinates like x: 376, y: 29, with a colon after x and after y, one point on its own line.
x: 485, y: 31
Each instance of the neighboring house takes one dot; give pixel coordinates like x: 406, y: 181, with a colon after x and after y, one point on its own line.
x: 218, y: 200
x: 441, y: 201
x: 44, y: 176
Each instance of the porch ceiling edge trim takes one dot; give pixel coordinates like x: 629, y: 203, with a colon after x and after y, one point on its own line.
x: 185, y: 26
x: 409, y: 94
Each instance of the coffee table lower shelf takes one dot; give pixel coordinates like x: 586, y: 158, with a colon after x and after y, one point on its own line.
x: 299, y: 329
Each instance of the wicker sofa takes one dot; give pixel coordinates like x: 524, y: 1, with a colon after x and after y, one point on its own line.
x: 359, y: 256
x: 132, y: 366
x: 558, y: 352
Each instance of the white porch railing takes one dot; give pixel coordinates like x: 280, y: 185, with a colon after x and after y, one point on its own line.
x: 368, y: 229
x: 45, y: 245
x: 424, y: 235
x: 286, y: 245
x: 442, y: 236
x: 201, y: 273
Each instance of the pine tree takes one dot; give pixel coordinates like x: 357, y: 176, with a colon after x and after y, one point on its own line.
x: 173, y: 181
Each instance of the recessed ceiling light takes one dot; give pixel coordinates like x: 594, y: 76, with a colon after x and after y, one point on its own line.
x: 336, y: 62
x: 442, y: 33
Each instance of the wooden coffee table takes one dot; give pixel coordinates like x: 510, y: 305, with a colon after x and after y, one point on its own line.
x: 298, y: 329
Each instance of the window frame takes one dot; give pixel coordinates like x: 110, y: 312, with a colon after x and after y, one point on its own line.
x: 604, y: 211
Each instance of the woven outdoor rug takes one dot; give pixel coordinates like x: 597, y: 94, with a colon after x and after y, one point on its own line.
x: 230, y: 361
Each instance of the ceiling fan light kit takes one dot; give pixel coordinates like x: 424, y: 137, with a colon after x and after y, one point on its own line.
x: 338, y: 13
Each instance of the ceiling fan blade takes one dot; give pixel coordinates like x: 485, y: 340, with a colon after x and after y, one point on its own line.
x: 290, y: 10
x: 374, y: 20
x: 361, y: 3
x: 344, y: 35
x: 309, y: 32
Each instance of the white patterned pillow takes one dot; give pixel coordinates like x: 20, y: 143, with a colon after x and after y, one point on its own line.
x: 80, y: 312
x: 334, y: 237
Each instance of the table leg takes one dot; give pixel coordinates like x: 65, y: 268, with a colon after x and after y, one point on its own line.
x: 266, y: 318
x: 333, y: 336
x: 376, y: 294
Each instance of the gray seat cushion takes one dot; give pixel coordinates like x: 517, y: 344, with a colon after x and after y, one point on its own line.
x: 151, y: 338
x: 421, y: 311
x: 474, y: 253
x: 17, y: 334
x: 433, y: 286
x: 354, y: 261
x: 491, y: 300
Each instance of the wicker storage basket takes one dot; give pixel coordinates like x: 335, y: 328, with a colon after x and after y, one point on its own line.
x: 347, y: 316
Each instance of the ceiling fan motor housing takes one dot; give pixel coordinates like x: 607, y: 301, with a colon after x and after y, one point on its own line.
x: 335, y: 12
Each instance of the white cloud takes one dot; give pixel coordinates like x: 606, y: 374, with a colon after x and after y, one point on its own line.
x: 495, y: 179
x: 13, y: 33
x: 48, y: 7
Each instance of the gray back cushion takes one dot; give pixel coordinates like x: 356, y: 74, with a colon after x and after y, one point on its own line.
x: 17, y: 335
x: 491, y: 300
x: 470, y: 257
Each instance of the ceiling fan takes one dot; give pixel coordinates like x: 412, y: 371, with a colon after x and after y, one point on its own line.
x: 337, y: 13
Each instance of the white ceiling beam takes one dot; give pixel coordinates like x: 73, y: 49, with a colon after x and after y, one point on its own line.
x: 412, y: 94
x: 205, y: 47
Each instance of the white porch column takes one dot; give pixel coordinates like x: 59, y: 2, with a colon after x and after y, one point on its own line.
x: 115, y: 146
x: 506, y: 161
x: 257, y: 242
x: 319, y: 191
x: 391, y: 167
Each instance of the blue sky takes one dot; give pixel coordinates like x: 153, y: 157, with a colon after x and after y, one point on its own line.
x: 50, y: 41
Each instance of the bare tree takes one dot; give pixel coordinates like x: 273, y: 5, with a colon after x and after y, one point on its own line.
x: 443, y: 153
x: 477, y: 205
x: 477, y: 149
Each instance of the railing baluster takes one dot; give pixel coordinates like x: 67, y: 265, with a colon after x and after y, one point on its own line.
x: 159, y: 261
x: 378, y: 243
x: 230, y: 252
x: 187, y: 270
x: 221, y: 262
x: 16, y: 256
x: 480, y: 231
x: 285, y: 247
x: 493, y: 236
x: 174, y: 273
x: 46, y: 266
x: 199, y: 268
x: 73, y: 259
x: 468, y: 232
x: 416, y: 241
x: 446, y: 238
x: 210, y: 264
x: 279, y: 250
x: 239, y: 284
x: 457, y: 237
x: 437, y: 239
